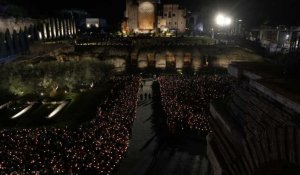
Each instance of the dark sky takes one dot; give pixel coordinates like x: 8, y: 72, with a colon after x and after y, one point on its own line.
x: 251, y: 11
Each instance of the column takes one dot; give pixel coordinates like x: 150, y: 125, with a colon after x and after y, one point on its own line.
x: 69, y: 27
x: 62, y: 29
x: 48, y: 31
x: 49, y: 28
x: 45, y: 36
x: 65, y: 27
x: 53, y: 28
x: 72, y: 28
x: 58, y: 28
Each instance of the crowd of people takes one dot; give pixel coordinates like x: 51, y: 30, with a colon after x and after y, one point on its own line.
x: 95, y: 147
x: 186, y: 99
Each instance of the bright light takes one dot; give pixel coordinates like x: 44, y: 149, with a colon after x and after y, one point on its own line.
x: 88, y: 25
x: 4, y: 105
x: 165, y: 29
x: 223, y: 20
x: 58, y: 109
x: 96, y: 25
x: 23, y: 111
x: 227, y: 21
x: 40, y: 35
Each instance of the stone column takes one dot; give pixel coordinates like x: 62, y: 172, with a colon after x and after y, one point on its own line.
x: 49, y: 28
x: 53, y: 28
x: 65, y: 28
x: 72, y: 28
x: 57, y: 28
x: 69, y: 27
x: 62, y: 29
x: 48, y: 31
x: 45, y: 34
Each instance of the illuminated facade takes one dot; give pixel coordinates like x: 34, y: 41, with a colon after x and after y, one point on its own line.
x: 146, y: 16
x: 173, y: 18
x: 143, y: 16
x: 140, y: 16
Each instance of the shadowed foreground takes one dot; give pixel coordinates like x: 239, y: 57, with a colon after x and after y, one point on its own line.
x: 153, y: 152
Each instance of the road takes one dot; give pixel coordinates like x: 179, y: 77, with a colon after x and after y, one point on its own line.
x: 152, y: 153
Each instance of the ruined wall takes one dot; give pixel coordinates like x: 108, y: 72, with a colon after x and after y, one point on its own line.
x: 250, y: 131
x: 16, y: 35
x: 15, y: 24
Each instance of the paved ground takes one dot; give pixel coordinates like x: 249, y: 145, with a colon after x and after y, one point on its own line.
x: 150, y: 154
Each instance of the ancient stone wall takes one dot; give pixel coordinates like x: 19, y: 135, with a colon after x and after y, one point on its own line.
x: 16, y: 35
x: 15, y: 24
x: 251, y: 131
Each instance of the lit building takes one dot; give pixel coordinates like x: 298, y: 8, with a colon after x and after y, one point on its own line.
x: 142, y: 16
x: 92, y: 22
x: 173, y: 18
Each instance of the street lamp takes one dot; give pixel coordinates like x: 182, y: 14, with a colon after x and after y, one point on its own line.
x: 223, y: 20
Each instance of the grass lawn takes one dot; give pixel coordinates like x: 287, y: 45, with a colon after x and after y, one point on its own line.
x: 81, y: 108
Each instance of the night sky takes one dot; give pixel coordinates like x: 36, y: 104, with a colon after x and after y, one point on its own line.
x: 253, y: 12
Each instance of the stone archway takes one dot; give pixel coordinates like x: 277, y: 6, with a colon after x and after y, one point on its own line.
x: 170, y: 60
x: 187, y: 59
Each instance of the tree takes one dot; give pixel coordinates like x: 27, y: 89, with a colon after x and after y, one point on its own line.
x: 19, y: 87
x: 16, y: 42
x: 3, y: 49
x: 9, y: 43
